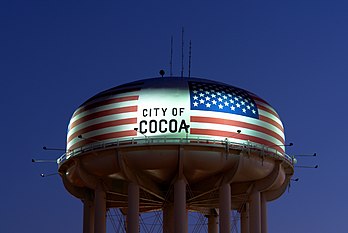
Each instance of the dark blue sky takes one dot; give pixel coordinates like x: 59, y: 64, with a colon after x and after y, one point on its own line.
x: 56, y: 54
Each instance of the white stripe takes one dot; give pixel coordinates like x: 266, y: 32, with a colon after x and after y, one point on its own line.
x: 268, y: 107
x: 133, y: 93
x: 245, y: 131
x: 103, y: 108
x: 271, y: 116
x: 239, y: 118
x: 114, y: 129
x: 101, y: 120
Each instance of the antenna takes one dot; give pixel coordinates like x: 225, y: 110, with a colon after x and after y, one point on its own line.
x: 189, y: 68
x: 171, y: 56
x: 182, y: 52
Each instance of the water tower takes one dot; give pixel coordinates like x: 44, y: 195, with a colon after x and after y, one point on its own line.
x: 176, y: 145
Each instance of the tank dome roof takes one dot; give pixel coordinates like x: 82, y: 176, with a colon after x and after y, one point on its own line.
x: 175, y: 107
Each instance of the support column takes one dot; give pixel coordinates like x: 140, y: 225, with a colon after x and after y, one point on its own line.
x: 100, y: 210
x: 225, y: 208
x: 180, y: 217
x: 168, y: 219
x: 244, y: 219
x: 255, y: 212
x: 133, y: 208
x: 213, y: 223
x: 88, y: 216
x: 264, y: 226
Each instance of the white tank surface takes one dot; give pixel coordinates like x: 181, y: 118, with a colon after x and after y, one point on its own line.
x: 191, y: 143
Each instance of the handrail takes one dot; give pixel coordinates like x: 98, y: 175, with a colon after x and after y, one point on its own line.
x: 160, y: 140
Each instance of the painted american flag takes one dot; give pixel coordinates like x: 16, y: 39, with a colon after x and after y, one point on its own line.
x: 110, y: 115
x: 220, y: 110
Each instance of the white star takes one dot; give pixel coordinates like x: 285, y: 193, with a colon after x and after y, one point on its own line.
x: 220, y: 106
x: 244, y: 110
x: 208, y: 105
x: 213, y: 95
x: 246, y: 100
x: 207, y: 92
x: 236, y: 98
x: 214, y: 102
x: 207, y: 98
x: 201, y: 101
x: 225, y: 97
x: 242, y: 102
x: 226, y: 103
x: 252, y: 105
x: 218, y: 93
x: 219, y: 99
x: 238, y: 105
x: 212, y: 90
x: 233, y: 108
x: 248, y: 107
x: 200, y: 89
x: 231, y: 101
x: 253, y: 111
x: 229, y: 95
x: 201, y: 94
x: 195, y: 97
x: 195, y: 104
x: 195, y: 91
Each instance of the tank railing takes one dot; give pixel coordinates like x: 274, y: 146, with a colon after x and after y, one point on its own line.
x: 248, y: 146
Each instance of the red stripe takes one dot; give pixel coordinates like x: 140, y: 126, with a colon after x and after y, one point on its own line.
x: 270, y: 110
x: 228, y: 134
x: 237, y: 124
x: 267, y: 110
x: 115, y: 135
x: 105, y: 102
x: 272, y: 122
x: 255, y: 97
x: 102, y: 125
x: 104, y: 113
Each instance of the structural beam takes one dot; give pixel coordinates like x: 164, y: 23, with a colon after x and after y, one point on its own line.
x: 100, y: 210
x: 264, y: 226
x: 168, y: 219
x: 88, y: 216
x: 255, y: 212
x: 225, y: 208
x: 213, y: 223
x: 244, y: 219
x: 180, y: 217
x: 133, y: 208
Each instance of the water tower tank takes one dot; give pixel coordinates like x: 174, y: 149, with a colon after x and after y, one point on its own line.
x: 179, y: 145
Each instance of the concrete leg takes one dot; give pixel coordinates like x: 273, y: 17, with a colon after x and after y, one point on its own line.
x: 225, y: 208
x: 100, y: 210
x: 168, y: 219
x: 255, y: 212
x: 264, y: 227
x: 244, y: 219
x: 88, y: 216
x: 180, y: 217
x: 133, y: 208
